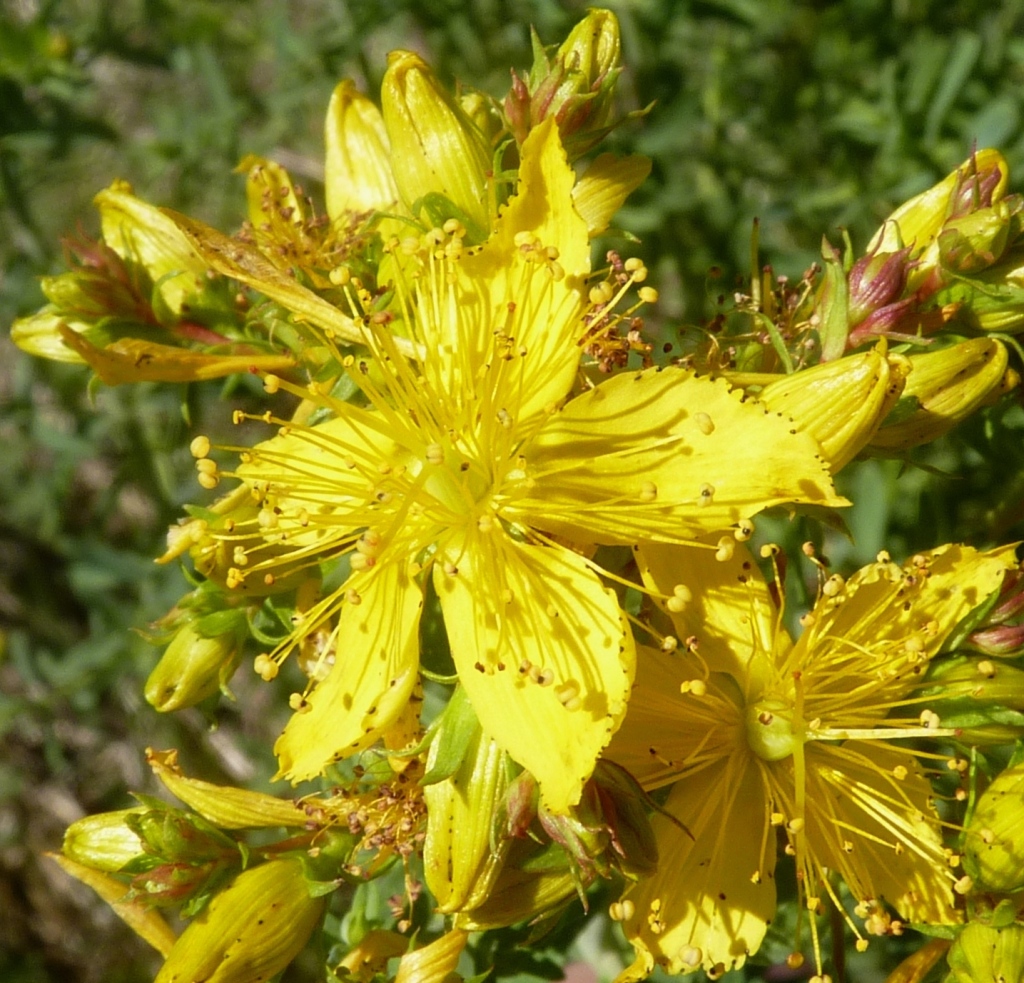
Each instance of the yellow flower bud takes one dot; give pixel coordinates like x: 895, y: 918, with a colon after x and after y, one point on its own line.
x: 841, y: 403
x: 250, y: 931
x: 357, y: 168
x: 441, y: 161
x: 371, y: 953
x: 39, y: 335
x: 517, y: 896
x: 138, y: 232
x: 983, y: 952
x: 943, y: 388
x: 225, y: 806
x: 191, y: 669
x: 920, y: 219
x: 994, y: 844
x: 103, y: 841
x: 433, y: 963
x: 458, y: 861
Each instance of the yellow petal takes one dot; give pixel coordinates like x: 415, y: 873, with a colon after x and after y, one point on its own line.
x: 135, y: 360
x: 376, y: 660
x: 603, y: 189
x: 948, y: 386
x: 723, y: 603
x: 663, y: 455
x: 541, y: 647
x: 371, y: 954
x: 878, y: 831
x: 140, y: 232
x: 145, y: 922
x: 887, y: 621
x: 357, y: 167
x: 502, y: 287
x: 224, y: 805
x: 665, y: 727
x: 713, y: 897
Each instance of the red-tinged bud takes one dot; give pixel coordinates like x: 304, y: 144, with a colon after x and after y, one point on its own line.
x: 608, y: 830
x: 885, y: 322
x: 876, y: 280
x: 521, y: 804
x: 1001, y: 632
x: 1004, y: 641
x: 576, y: 86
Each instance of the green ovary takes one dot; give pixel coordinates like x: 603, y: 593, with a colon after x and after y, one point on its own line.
x: 770, y: 730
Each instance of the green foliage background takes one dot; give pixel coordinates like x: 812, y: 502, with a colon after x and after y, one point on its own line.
x: 807, y: 115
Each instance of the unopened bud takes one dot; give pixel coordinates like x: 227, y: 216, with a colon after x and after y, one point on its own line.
x: 249, y: 931
x: 943, y: 388
x: 841, y: 403
x: 984, y: 952
x: 104, y: 841
x: 441, y: 161
x: 994, y: 841
x: 357, y: 166
x: 192, y: 668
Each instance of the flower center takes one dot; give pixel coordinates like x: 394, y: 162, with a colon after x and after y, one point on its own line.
x: 452, y: 480
x: 770, y: 729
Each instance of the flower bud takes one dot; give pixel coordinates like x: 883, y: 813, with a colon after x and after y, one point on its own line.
x: 1001, y: 631
x: 977, y: 183
x: 433, y: 963
x: 994, y: 841
x: 984, y: 952
x: 876, y: 280
x: 249, y: 931
x: 357, y: 168
x: 460, y: 856
x: 140, y: 233
x: 609, y: 828
x: 104, y: 841
x: 520, y: 895
x: 992, y: 300
x: 577, y: 87
x: 943, y: 388
x: 441, y: 161
x: 841, y: 403
x: 223, y: 805
x: 193, y: 667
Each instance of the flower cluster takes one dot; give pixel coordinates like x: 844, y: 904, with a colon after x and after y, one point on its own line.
x: 508, y: 548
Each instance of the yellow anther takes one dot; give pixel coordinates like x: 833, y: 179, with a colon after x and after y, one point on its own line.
x: 266, y: 668
x: 200, y: 446
x: 208, y: 481
x: 271, y: 384
x: 704, y: 423
x: 648, y: 295
x: 726, y: 549
x: 648, y: 491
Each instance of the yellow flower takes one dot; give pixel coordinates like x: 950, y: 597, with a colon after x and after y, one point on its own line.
x: 756, y: 733
x: 465, y: 467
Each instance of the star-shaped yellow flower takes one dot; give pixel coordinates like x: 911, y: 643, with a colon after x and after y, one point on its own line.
x: 467, y: 466
x: 754, y: 732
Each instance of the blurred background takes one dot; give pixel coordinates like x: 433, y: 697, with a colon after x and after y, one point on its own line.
x: 810, y: 116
